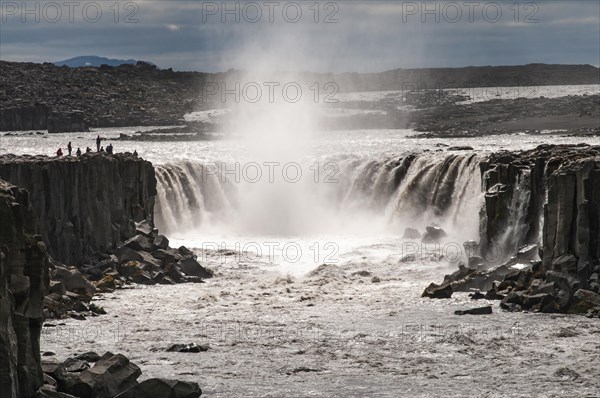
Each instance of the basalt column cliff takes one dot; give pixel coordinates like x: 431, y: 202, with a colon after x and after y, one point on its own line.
x: 84, y: 206
x: 23, y: 284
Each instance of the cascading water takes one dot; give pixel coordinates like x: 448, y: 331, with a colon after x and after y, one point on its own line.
x: 340, y: 194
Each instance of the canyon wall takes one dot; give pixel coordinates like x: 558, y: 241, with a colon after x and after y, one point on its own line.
x: 548, y: 196
x: 23, y: 284
x: 84, y: 206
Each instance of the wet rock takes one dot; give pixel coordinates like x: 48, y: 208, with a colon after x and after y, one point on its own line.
x: 433, y: 235
x: 151, y: 263
x: 475, y: 311
x: 476, y: 262
x: 184, y: 251
x: 77, y: 316
x: 111, y: 375
x: 545, y: 288
x: 167, y: 256
x: 49, y: 391
x: 375, y: 279
x: 96, y: 309
x: 191, y: 267
x: 587, y: 298
x: 566, y: 373
x: 362, y: 273
x: 528, y: 253
x: 49, y: 380
x: 460, y: 148
x: 513, y: 297
x: 139, y: 243
x: 411, y: 233
x: 109, y: 283
x: 566, y: 263
x: 437, y: 291
x: 74, y: 281
x: 492, y: 294
x: 477, y: 296
x: 164, y: 280
x: 192, y: 347
x: 57, y: 287
x: 126, y: 254
x: 144, y: 228
x: 75, y: 365
x: 193, y: 279
x: 408, y: 258
x: 161, y: 242
x: 173, y: 272
x: 137, y: 272
x: 89, y: 356
x: 162, y: 388
x: 80, y: 307
x: 534, y: 299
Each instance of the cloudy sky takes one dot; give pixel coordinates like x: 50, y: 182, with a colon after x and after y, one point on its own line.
x: 329, y: 36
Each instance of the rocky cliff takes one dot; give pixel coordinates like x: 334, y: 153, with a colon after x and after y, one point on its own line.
x: 541, y: 222
x: 23, y: 284
x: 548, y: 196
x: 84, y: 206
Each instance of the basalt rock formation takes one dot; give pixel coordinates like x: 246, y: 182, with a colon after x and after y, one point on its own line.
x: 548, y: 198
x: 84, y: 206
x: 23, y: 284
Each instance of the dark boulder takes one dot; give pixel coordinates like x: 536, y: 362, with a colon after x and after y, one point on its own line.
x: 74, y: 281
x: 475, y: 311
x: 89, y: 356
x: 162, y: 388
x: 190, y: 266
x: 433, y: 235
x: 161, y: 242
x: 126, y: 254
x: 144, y: 228
x: 192, y: 347
x: 48, y: 391
x: 139, y: 243
x: 111, y: 375
x: 167, y: 256
x: 437, y: 291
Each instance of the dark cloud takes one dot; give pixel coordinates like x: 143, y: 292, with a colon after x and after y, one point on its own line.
x: 368, y: 36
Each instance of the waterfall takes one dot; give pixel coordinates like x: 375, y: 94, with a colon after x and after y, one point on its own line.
x: 351, y: 193
x: 190, y: 196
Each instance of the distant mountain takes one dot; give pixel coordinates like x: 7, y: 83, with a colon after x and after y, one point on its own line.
x: 94, y: 60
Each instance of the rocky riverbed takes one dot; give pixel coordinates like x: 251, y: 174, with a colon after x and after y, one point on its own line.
x: 358, y: 328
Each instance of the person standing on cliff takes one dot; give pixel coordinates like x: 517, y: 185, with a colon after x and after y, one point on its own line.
x: 69, y: 148
x: 59, y: 152
x: 98, y: 141
x: 78, y: 153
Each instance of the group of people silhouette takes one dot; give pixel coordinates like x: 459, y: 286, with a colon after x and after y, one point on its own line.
x: 99, y: 148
